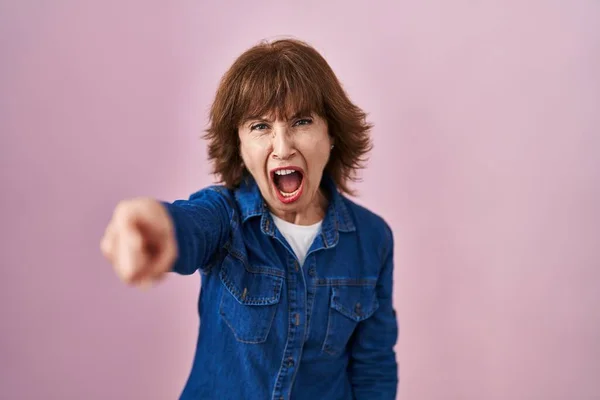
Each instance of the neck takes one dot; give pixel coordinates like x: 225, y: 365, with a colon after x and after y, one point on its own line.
x: 312, y: 214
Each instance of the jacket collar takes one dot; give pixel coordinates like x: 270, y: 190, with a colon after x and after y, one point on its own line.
x: 337, y: 217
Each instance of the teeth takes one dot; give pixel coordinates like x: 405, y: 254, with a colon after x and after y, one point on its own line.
x: 284, y: 194
x: 284, y: 171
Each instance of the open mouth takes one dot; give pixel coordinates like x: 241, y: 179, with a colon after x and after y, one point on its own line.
x: 288, y: 182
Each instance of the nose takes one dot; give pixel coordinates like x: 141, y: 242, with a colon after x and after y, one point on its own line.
x: 283, y: 146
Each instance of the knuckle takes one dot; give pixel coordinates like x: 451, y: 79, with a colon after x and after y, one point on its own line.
x: 122, y: 210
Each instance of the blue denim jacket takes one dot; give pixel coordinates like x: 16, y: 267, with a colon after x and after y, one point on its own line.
x: 272, y: 329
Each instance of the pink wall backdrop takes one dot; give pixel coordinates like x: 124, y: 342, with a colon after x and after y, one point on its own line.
x: 486, y: 164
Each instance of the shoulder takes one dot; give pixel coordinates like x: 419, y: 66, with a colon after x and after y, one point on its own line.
x: 213, y: 197
x: 213, y: 192
x: 371, y: 226
x: 365, y: 218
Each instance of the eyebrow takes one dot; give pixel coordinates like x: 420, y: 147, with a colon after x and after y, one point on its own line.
x: 264, y: 119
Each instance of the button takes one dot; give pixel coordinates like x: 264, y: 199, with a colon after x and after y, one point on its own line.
x: 296, y: 266
x: 290, y: 362
x: 358, y: 308
x: 312, y: 272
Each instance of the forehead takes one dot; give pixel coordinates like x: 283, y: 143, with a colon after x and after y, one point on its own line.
x: 271, y: 106
x: 278, y: 90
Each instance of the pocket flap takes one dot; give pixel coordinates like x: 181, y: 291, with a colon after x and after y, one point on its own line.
x: 249, y: 288
x: 355, y: 302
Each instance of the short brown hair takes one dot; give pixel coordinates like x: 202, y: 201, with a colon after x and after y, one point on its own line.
x: 285, y: 77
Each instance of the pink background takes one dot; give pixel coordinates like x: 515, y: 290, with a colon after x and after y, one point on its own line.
x: 486, y: 164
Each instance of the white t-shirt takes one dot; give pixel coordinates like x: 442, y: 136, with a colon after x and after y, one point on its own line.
x: 300, y: 237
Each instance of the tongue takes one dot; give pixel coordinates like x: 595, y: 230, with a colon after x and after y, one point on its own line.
x: 289, y: 183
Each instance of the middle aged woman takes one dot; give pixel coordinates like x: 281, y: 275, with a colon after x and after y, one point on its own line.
x: 296, y: 298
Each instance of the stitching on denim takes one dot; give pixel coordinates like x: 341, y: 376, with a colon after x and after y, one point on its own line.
x: 347, y: 224
x: 343, y: 311
x: 346, y: 282
x: 387, y: 246
x: 336, y: 238
x: 291, y: 325
x: 308, y: 317
x: 248, y: 267
x: 251, y: 213
x: 341, y: 308
x: 223, y: 193
x: 329, y: 318
x: 260, y: 340
x: 352, y: 314
x: 281, y: 373
x: 257, y: 301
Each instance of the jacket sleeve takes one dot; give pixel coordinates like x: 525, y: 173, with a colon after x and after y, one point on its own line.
x: 373, y: 367
x: 202, y: 226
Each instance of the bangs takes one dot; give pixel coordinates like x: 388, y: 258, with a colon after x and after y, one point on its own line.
x: 278, y: 88
x: 285, y: 79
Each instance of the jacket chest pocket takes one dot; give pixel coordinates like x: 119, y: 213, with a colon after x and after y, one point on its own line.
x: 349, y: 305
x: 249, y: 300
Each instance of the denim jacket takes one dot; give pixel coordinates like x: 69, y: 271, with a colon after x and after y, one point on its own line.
x: 273, y: 329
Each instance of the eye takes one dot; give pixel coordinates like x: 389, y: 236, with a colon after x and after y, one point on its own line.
x: 259, y: 127
x: 303, y: 121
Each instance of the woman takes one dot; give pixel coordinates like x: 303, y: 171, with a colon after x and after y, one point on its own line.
x: 296, y: 297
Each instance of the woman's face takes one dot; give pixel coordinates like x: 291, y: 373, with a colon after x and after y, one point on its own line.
x: 287, y: 159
